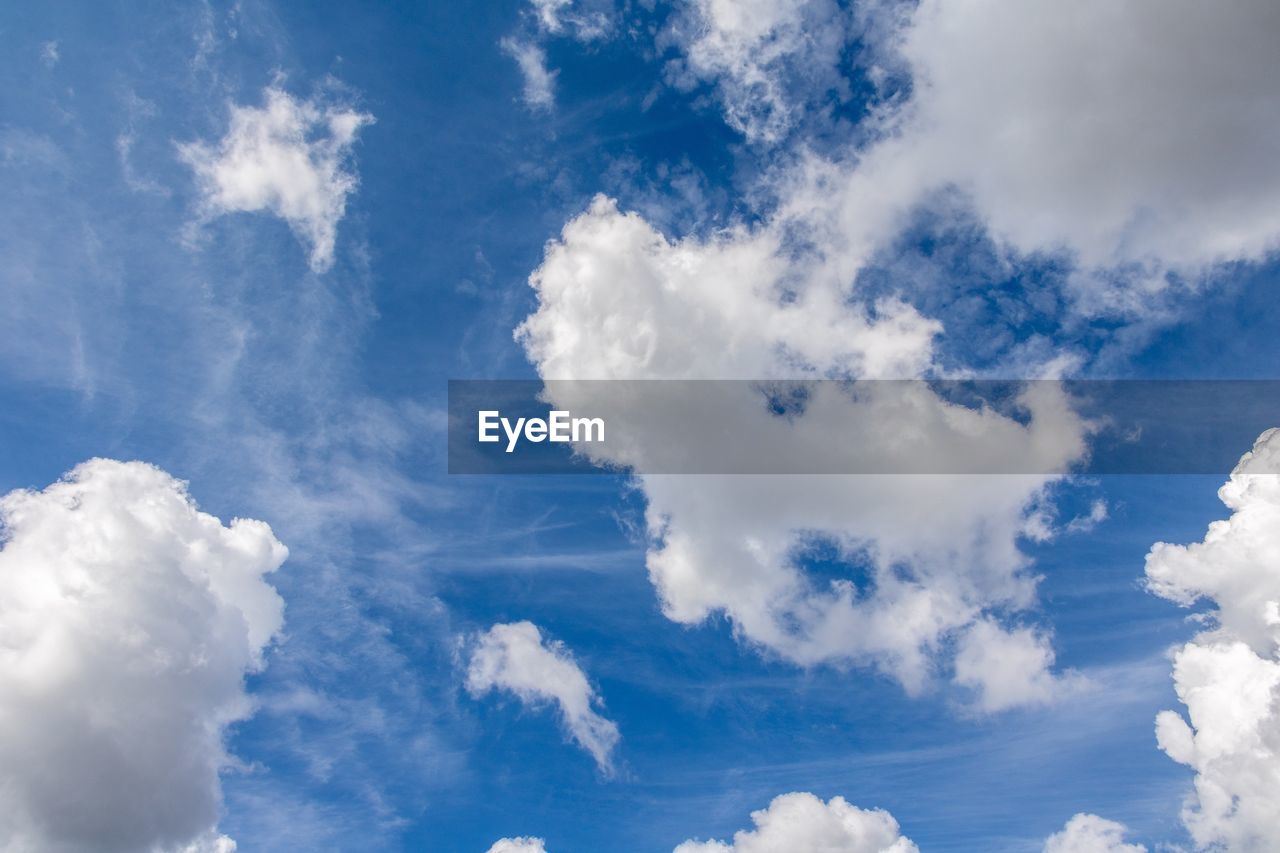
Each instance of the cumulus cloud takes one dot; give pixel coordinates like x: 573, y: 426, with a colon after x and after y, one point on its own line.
x: 128, y: 619
x: 1051, y: 161
x: 1228, y: 677
x: 515, y: 657
x: 1087, y: 833
x: 523, y: 844
x: 924, y: 556
x: 289, y: 157
x: 539, y: 81
x: 1084, y: 126
x: 1008, y: 669
x: 1078, y: 129
x: 802, y: 823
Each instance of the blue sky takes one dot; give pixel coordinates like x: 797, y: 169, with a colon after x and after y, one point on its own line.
x: 147, y: 317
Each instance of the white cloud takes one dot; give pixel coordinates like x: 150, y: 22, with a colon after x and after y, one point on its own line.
x: 288, y: 157
x: 539, y: 81
x: 1087, y: 833
x: 617, y: 300
x: 515, y: 658
x: 49, y: 54
x: 1070, y: 129
x: 576, y: 18
x: 1078, y: 128
x: 748, y: 49
x: 1008, y: 669
x: 802, y: 823
x: 523, y: 844
x: 128, y: 620
x: 1085, y: 126
x: 1228, y: 677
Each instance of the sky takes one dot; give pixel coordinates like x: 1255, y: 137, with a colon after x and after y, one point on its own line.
x: 245, y: 606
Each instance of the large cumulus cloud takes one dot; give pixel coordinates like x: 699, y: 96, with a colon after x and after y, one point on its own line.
x: 1228, y: 677
x: 1076, y: 127
x: 937, y: 552
x: 128, y: 620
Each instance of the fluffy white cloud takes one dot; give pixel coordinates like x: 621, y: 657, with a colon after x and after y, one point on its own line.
x: 1086, y: 126
x: 514, y: 657
x: 1076, y: 127
x: 128, y: 620
x: 1080, y: 128
x: 617, y: 300
x: 1087, y: 833
x: 802, y: 823
x: 288, y: 157
x: 1235, y: 565
x: 539, y: 81
x: 1070, y: 129
x: 1228, y: 677
x: 523, y: 844
x: 620, y: 301
x: 1007, y: 668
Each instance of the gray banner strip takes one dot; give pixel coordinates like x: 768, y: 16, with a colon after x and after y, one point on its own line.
x: 811, y: 427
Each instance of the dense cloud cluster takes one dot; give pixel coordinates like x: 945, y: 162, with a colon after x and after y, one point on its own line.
x: 617, y: 300
x: 1228, y: 677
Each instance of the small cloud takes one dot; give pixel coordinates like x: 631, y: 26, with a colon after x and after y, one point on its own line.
x: 522, y: 844
x: 514, y: 657
x: 539, y: 81
x: 1085, y: 523
x: 1088, y: 833
x: 49, y: 54
x: 288, y: 157
x: 801, y: 822
x: 1009, y: 669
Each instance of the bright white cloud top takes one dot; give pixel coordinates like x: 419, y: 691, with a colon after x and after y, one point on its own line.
x: 747, y: 50
x: 802, y: 823
x: 514, y: 657
x: 289, y: 158
x: 1229, y: 675
x: 1087, y: 833
x: 523, y: 844
x: 128, y: 619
